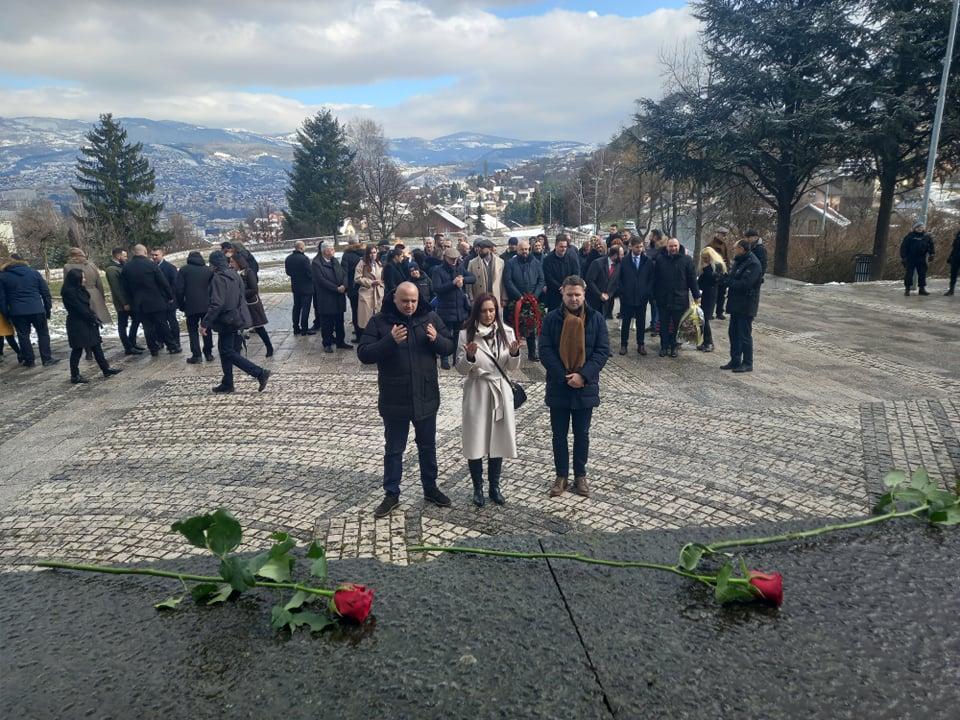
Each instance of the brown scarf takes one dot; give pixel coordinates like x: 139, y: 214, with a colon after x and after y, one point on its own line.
x: 573, y: 341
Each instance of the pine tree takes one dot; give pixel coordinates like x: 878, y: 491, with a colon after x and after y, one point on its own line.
x: 321, y: 192
x: 479, y: 228
x: 536, y: 207
x: 115, y: 183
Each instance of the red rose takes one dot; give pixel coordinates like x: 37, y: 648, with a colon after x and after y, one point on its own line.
x: 770, y: 586
x: 352, y: 601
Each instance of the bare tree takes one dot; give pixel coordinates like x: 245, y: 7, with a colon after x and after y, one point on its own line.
x: 381, y: 185
x: 184, y: 234
x: 41, y: 232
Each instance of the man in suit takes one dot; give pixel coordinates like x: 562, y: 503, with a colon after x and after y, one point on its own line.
x: 633, y: 284
x: 170, y: 274
x: 599, y: 278
x: 150, y: 296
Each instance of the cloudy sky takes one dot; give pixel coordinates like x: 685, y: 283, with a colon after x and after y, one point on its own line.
x: 563, y: 70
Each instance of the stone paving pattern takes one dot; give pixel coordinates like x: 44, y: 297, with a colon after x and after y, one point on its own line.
x: 850, y: 382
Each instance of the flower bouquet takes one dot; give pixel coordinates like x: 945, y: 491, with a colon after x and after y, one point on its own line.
x: 690, y: 329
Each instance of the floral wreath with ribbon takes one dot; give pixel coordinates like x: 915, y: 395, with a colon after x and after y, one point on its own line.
x: 527, y: 316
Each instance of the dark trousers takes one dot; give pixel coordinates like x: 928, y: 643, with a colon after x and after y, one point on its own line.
x: 331, y: 329
x: 173, y: 327
x: 128, y: 337
x: 193, y: 330
x: 721, y: 297
x: 629, y: 313
x: 228, y: 345
x: 156, y: 330
x: 560, y: 420
x: 301, y: 311
x: 920, y: 268
x: 669, y: 322
x: 654, y: 315
x: 262, y: 334
x: 395, y: 433
x: 354, y: 301
x: 23, y: 324
x: 741, y: 339
x: 954, y: 270
x: 12, y: 341
x: 316, y: 313
x: 707, y: 303
x: 531, y: 346
x: 76, y: 353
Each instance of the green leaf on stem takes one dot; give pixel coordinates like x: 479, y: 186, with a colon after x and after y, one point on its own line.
x: 278, y: 569
x: 948, y: 516
x: 894, y: 479
x: 910, y: 496
x: 315, y: 621
x: 941, y: 499
x: 224, y: 535
x: 258, y: 561
x: 884, y: 504
x: 318, y: 568
x: 221, y: 596
x: 298, y: 599
x: 202, y: 591
x: 691, y: 554
x: 234, y: 571
x: 729, y: 589
x: 193, y: 529
x: 280, y: 617
x: 170, y: 603
x: 920, y: 480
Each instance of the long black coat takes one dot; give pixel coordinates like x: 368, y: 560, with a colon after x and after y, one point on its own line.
x: 169, y: 271
x: 634, y: 286
x: 743, y: 285
x: 406, y: 373
x: 597, y: 341
x: 351, y: 258
x: 708, y: 281
x: 452, y: 303
x: 673, y: 278
x: 193, y: 285
x: 393, y: 275
x: 954, y: 258
x: 83, y: 325
x: 327, y: 277
x: 555, y: 271
x: 297, y: 266
x: 147, y: 288
x: 251, y: 293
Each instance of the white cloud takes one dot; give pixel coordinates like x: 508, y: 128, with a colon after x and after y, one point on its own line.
x: 562, y: 75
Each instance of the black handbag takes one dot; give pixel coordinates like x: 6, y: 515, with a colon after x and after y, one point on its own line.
x: 519, y: 394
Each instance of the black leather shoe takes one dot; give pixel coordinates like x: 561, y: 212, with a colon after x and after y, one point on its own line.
x: 436, y: 497
x: 674, y: 352
x: 534, y: 357
x: 51, y: 361
x: 308, y: 332
x: 922, y: 291
x: 208, y: 358
x: 444, y: 363
x: 264, y: 376
x: 154, y: 353
x: 221, y: 388
x: 663, y: 352
x: 79, y: 380
x: 328, y: 348
x: 112, y: 371
x: 175, y: 351
x: 133, y: 351
x: 345, y: 346
x: 729, y: 366
x: 195, y: 360
x: 623, y: 349
x: 721, y: 316
x: 743, y: 369
x: 949, y: 292
x: 388, y: 503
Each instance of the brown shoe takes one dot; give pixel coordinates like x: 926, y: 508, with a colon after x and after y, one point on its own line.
x: 580, y: 486
x: 559, y: 486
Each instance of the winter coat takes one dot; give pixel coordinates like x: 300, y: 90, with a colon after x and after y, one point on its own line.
x: 83, y: 325
x: 94, y: 285
x: 242, y: 251
x: 634, y: 286
x: 393, y: 275
x: 406, y: 373
x: 350, y: 259
x: 915, y: 248
x: 146, y: 286
x: 227, y: 310
x: 369, y: 298
x: 251, y: 294
x: 743, y: 286
x: 954, y: 258
x: 24, y: 292
x: 297, y: 266
x: 721, y: 247
x: 169, y: 271
x: 555, y: 271
x: 558, y: 393
x: 488, y: 427
x: 478, y: 268
x: 673, y: 277
x: 452, y: 303
x: 760, y: 251
x: 327, y: 277
x: 587, y: 259
x: 707, y: 281
x: 523, y: 276
x: 424, y: 285
x: 599, y: 280
x: 193, y: 285
x: 117, y: 294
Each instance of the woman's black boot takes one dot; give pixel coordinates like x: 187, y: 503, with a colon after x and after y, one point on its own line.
x: 476, y: 474
x: 495, y: 465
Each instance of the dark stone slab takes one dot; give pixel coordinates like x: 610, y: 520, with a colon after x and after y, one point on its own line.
x: 457, y: 637
x: 868, y: 627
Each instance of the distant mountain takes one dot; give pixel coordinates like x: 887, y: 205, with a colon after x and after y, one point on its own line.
x: 472, y: 149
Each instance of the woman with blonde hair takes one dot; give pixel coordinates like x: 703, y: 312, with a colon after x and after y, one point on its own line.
x: 712, y: 270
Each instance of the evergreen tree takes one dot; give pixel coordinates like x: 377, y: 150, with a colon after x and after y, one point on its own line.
x: 115, y: 183
x: 320, y: 192
x: 536, y: 207
x: 479, y: 227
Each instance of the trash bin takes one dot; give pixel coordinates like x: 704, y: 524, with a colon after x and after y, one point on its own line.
x: 861, y: 268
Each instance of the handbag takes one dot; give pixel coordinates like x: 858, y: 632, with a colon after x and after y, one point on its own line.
x: 519, y: 394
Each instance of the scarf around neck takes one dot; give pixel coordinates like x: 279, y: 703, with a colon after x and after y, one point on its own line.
x: 573, y: 340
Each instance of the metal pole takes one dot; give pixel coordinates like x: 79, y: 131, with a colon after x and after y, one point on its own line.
x: 938, y: 118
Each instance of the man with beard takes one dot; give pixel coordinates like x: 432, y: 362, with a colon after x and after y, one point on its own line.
x: 600, y: 278
x: 523, y: 281
x: 674, y: 280
x: 150, y: 296
x: 487, y: 268
x: 557, y: 266
x: 170, y: 273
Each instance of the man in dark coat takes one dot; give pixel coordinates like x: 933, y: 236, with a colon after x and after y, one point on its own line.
x: 450, y: 282
x: 757, y: 248
x: 954, y: 261
x: 633, y: 284
x: 227, y: 314
x: 915, y: 250
x: 351, y: 258
x: 600, y: 278
x: 193, y: 298
x: 557, y: 266
x: 170, y: 274
x: 574, y: 347
x: 743, y: 301
x: 297, y: 267
x: 719, y: 244
x: 404, y: 340
x: 523, y: 276
x: 433, y: 251
x: 128, y: 337
x: 150, y: 296
x: 674, y: 280
x: 511, y: 251
x: 330, y: 297
x: 25, y: 300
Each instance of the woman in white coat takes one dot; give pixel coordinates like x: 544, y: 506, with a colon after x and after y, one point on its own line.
x: 488, y: 425
x: 369, y: 280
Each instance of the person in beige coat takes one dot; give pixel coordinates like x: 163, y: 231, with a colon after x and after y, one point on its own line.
x: 94, y: 285
x: 369, y: 280
x: 488, y: 425
x: 488, y: 269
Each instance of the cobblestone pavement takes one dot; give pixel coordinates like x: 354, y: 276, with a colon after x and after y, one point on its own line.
x: 850, y: 381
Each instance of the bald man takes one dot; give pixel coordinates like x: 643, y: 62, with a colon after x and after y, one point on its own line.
x: 150, y: 296
x: 297, y: 266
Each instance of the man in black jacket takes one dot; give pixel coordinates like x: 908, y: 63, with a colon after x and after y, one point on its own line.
x: 758, y: 249
x: 954, y: 261
x: 600, y: 274
x: 297, y: 267
x: 674, y: 280
x: 128, y: 337
x: 351, y: 258
x: 522, y: 276
x: 743, y: 301
x: 193, y: 298
x: 557, y: 266
x: 227, y: 314
x: 633, y: 284
x: 170, y: 273
x: 330, y: 297
x: 915, y: 249
x: 404, y: 340
x: 150, y: 296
